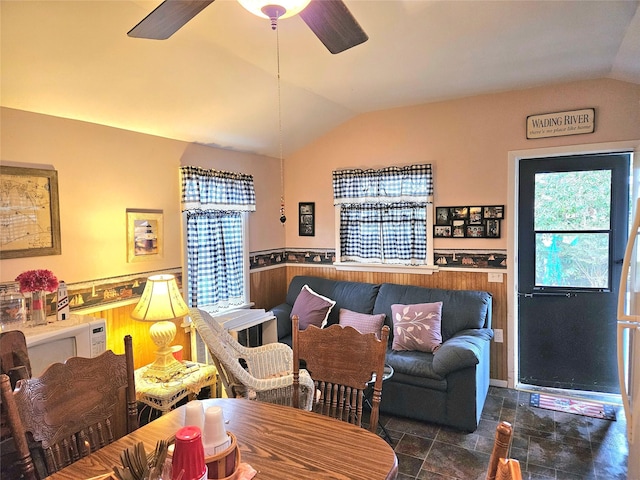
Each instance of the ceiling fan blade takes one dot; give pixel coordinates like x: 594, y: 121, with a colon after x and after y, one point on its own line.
x: 168, y: 18
x: 333, y: 24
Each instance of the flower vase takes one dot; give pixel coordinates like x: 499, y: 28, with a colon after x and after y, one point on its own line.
x: 38, y: 303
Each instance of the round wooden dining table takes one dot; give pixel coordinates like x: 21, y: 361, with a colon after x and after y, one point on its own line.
x: 279, y: 442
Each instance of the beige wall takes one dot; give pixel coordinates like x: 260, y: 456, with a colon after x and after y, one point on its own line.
x: 102, y: 171
x: 467, y: 141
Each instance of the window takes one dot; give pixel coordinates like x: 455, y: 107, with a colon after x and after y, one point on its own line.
x: 215, y: 208
x: 385, y: 216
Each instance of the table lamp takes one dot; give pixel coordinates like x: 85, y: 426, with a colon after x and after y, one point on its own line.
x: 161, y: 302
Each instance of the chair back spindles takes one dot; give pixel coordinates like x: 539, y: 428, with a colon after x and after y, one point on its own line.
x: 508, y: 469
x: 501, y: 467
x: 24, y: 460
x: 341, y: 361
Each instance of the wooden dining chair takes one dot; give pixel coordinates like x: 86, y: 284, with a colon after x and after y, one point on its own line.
x: 14, y: 356
x: 72, y: 409
x: 501, y: 467
x: 341, y: 362
x: 14, y: 362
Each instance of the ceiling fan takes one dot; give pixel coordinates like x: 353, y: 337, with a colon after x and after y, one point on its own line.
x: 330, y: 20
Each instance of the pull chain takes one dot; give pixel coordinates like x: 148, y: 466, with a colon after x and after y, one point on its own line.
x: 283, y: 218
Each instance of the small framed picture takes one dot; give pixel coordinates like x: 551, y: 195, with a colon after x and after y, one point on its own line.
x: 494, y: 211
x: 492, y: 228
x: 442, y: 216
x: 459, y: 213
x: 458, y: 229
x: 145, y: 240
x: 307, y: 219
x: 475, y: 231
x: 475, y: 215
x: 442, y: 231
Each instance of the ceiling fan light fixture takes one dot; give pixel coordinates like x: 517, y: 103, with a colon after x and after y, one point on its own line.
x: 264, y: 8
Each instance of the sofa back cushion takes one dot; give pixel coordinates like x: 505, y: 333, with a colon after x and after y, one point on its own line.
x: 311, y: 308
x: 354, y: 296
x: 461, y: 309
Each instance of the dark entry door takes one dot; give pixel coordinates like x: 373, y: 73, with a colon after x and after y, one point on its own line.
x: 572, y: 229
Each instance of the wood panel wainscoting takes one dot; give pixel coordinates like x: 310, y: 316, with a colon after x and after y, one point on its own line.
x: 120, y: 323
x: 269, y: 288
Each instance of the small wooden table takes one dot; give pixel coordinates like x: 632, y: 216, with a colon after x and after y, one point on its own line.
x: 163, y: 396
x: 281, y: 443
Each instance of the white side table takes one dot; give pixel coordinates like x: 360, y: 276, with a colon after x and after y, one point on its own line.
x: 163, y: 396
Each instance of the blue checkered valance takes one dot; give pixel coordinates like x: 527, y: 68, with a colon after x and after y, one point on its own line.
x: 383, y: 214
x: 410, y: 184
x: 204, y: 189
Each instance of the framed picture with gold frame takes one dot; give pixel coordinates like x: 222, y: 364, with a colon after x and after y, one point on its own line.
x: 31, y: 223
x: 145, y: 238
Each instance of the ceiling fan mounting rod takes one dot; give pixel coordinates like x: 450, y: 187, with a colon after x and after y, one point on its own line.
x: 274, y: 12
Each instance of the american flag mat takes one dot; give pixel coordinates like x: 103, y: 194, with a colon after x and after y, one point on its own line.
x: 570, y: 405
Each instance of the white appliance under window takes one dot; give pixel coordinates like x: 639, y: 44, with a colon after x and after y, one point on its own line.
x: 78, y: 336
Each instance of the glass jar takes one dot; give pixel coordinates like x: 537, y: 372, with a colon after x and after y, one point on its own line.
x: 12, y: 307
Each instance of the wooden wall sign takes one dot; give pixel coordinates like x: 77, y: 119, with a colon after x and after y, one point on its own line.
x: 574, y: 122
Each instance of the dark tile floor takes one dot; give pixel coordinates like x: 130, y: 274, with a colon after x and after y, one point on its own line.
x: 549, y: 445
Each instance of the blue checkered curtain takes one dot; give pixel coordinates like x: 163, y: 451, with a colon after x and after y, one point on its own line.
x: 214, y: 203
x: 204, y: 189
x: 383, y: 214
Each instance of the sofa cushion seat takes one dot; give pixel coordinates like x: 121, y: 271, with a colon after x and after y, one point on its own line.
x: 413, y: 363
x: 419, y: 382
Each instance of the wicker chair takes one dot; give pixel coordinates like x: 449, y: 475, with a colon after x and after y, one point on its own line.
x: 262, y: 373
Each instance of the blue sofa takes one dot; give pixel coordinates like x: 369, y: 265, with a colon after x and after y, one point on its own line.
x: 448, y: 387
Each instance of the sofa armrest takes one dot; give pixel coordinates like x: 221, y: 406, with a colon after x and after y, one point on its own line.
x: 282, y: 313
x: 462, y: 350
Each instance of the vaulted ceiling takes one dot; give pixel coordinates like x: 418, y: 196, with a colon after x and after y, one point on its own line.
x: 214, y: 81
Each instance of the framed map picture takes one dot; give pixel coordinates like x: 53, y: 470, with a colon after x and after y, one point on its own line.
x: 29, y: 213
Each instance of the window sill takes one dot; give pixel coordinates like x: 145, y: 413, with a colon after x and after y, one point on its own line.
x: 387, y: 268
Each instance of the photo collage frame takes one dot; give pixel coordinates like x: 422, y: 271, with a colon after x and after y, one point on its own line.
x: 468, y: 222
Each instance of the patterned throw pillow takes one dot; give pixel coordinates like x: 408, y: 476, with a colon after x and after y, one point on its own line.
x: 417, y: 327
x: 361, y: 321
x: 311, y: 308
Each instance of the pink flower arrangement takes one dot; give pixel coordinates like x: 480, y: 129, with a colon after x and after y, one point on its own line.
x: 35, y: 280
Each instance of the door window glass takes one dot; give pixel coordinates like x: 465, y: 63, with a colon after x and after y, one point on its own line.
x: 573, y: 200
x: 571, y: 222
x: 578, y: 260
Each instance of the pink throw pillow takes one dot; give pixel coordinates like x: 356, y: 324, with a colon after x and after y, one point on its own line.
x: 362, y: 322
x: 417, y: 327
x: 311, y: 308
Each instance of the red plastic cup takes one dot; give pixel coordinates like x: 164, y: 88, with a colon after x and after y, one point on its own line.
x: 188, y: 454
x: 176, y: 350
